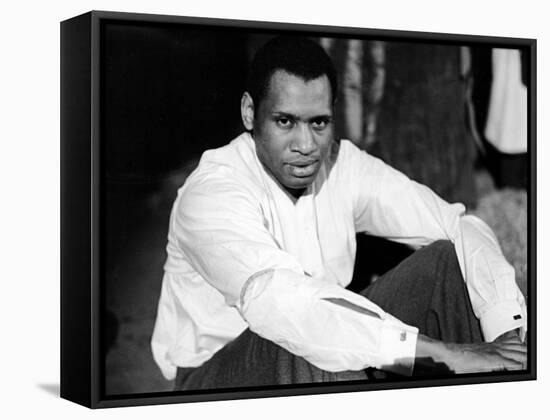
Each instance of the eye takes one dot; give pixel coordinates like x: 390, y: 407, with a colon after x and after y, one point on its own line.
x: 284, y: 122
x: 320, y: 123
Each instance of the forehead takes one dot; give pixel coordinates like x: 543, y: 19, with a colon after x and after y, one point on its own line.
x: 292, y: 94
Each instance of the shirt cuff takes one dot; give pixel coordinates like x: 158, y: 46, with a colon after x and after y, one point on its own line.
x: 398, y: 347
x: 502, y: 317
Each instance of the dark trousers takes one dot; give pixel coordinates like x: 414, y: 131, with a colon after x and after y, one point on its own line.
x: 425, y: 290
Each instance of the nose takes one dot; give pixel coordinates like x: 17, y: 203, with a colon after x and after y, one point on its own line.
x: 303, y: 142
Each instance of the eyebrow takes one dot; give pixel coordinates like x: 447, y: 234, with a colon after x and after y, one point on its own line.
x: 290, y: 116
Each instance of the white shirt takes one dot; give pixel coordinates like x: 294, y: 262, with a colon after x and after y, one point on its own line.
x: 242, y: 254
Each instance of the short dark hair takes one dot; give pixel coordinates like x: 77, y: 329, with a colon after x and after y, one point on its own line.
x: 298, y: 56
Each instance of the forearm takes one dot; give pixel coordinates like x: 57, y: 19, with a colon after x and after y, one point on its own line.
x: 490, y: 279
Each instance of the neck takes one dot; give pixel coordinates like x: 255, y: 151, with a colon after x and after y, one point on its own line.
x: 296, y: 193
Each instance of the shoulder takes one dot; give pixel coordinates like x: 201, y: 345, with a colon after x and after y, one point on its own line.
x: 358, y: 174
x: 348, y: 159
x: 237, y: 154
x: 228, y: 172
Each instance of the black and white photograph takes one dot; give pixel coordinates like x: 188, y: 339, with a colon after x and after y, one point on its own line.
x: 243, y: 210
x: 291, y: 209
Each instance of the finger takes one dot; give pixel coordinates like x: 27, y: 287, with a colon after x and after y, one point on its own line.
x: 514, y: 355
x: 509, y: 364
x: 512, y: 346
x: 497, y: 365
x: 515, y: 358
x: 515, y: 366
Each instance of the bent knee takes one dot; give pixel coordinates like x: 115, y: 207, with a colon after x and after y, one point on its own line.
x: 442, y: 246
x: 439, y: 254
x: 442, y: 253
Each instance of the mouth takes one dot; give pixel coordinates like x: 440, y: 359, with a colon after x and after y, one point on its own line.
x: 303, y: 168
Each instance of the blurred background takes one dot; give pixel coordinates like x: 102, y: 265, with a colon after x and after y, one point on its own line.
x: 451, y: 116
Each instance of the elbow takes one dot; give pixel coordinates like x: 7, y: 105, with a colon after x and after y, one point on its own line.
x: 254, y: 287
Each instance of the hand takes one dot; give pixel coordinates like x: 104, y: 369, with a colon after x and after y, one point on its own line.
x: 501, y: 354
x: 507, y: 352
x: 510, y: 336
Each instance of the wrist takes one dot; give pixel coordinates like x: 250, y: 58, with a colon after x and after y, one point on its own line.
x: 427, y: 348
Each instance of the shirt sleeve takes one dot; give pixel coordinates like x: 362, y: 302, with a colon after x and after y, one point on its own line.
x: 219, y: 226
x: 388, y: 204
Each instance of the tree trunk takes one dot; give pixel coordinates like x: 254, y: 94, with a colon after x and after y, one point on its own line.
x: 422, y: 127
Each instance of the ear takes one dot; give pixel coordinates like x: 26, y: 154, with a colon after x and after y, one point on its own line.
x: 247, y: 111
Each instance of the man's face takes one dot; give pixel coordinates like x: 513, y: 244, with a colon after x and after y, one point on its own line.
x: 293, y: 129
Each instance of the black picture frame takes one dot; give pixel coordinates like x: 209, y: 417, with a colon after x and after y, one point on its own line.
x: 83, y: 201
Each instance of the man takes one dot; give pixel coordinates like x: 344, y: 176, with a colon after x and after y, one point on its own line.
x: 261, y: 246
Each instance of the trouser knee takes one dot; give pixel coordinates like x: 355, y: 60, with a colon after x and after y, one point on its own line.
x: 441, y: 247
x: 440, y: 263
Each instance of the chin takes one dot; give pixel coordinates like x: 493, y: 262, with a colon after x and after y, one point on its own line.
x: 300, y: 185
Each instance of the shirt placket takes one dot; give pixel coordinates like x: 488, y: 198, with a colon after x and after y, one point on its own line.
x: 308, y: 240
